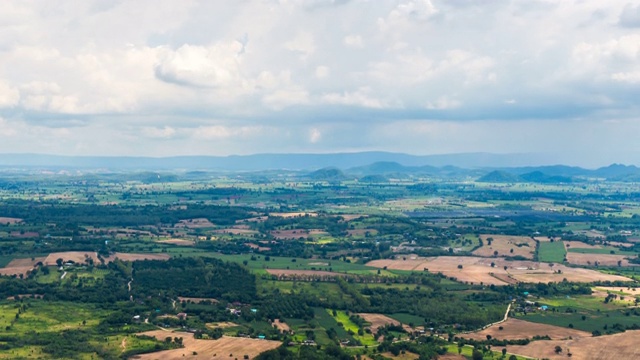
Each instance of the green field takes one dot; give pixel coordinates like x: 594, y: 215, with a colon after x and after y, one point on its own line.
x: 342, y: 318
x: 551, y: 252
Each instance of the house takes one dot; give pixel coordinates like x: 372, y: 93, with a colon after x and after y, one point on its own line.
x: 182, y: 316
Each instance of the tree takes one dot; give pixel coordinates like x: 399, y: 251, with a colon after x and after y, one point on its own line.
x: 504, y: 352
x: 59, y: 261
x: 558, y: 349
x: 513, y: 357
x: 477, y: 355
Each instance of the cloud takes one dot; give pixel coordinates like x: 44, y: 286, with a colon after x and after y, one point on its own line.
x: 630, y: 16
x: 131, y: 77
x: 314, y: 135
x: 303, y: 44
x: 213, y: 66
x: 359, y: 97
x: 353, y: 41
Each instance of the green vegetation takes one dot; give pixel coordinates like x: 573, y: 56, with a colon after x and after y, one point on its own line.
x: 249, y: 248
x: 551, y: 251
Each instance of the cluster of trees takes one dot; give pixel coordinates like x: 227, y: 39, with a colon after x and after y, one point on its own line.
x: 194, y: 277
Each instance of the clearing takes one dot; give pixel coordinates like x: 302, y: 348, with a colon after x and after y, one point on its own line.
x: 477, y: 270
x: 9, y: 220
x: 225, y: 347
x: 378, y: 320
x: 607, y: 347
x: 600, y: 259
x: 282, y: 326
x: 507, y: 245
x: 514, y: 329
x: 180, y: 242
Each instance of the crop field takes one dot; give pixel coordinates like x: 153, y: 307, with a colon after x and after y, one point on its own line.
x: 551, y: 251
x: 514, y: 329
x: 599, y: 259
x: 478, y: 270
x: 607, y: 347
x: 503, y: 245
x: 378, y: 320
x: 180, y: 242
x: 225, y: 347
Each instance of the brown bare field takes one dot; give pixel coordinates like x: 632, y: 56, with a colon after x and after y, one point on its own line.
x: 451, y: 357
x: 285, y: 273
x: 75, y: 256
x: 602, y: 259
x: 287, y: 215
x: 514, y: 329
x: 181, y: 242
x: 25, y: 262
x: 503, y: 244
x: 21, y: 266
x: 351, y: 217
x: 196, y: 300
x: 542, y: 238
x: 412, y: 356
x: 579, y: 245
x: 17, y: 270
x: 194, y: 223
x: 606, y: 347
x: 478, y: 269
x: 134, y: 257
x: 9, y: 220
x: 290, y: 234
x: 206, y: 349
x: 629, y: 294
x: 284, y: 327
x: 378, y: 320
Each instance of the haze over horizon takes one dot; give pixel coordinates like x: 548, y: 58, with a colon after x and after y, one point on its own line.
x: 557, y: 79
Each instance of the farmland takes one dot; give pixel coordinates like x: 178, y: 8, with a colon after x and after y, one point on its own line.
x: 211, y: 265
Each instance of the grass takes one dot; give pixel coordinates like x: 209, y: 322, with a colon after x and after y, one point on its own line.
x: 551, y: 251
x: 342, y: 318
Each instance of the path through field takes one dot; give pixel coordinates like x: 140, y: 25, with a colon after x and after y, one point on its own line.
x: 63, y: 275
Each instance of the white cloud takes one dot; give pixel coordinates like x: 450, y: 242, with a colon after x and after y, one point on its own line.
x: 443, y: 103
x: 353, y: 41
x: 9, y: 96
x: 322, y: 72
x: 359, y: 97
x: 214, y: 66
x: 303, y: 44
x: 315, y: 135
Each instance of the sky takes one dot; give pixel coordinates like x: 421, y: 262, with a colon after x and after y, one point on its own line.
x: 162, y: 78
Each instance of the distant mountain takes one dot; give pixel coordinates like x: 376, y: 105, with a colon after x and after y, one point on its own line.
x: 498, y: 176
x: 327, y: 174
x: 486, y: 167
x: 373, y: 179
x: 542, y: 178
x: 261, y: 162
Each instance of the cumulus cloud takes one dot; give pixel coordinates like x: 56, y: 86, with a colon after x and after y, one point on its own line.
x: 213, y: 66
x: 630, y: 16
x: 104, y: 74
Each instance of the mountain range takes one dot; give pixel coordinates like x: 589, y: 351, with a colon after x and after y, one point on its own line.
x: 368, y: 166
